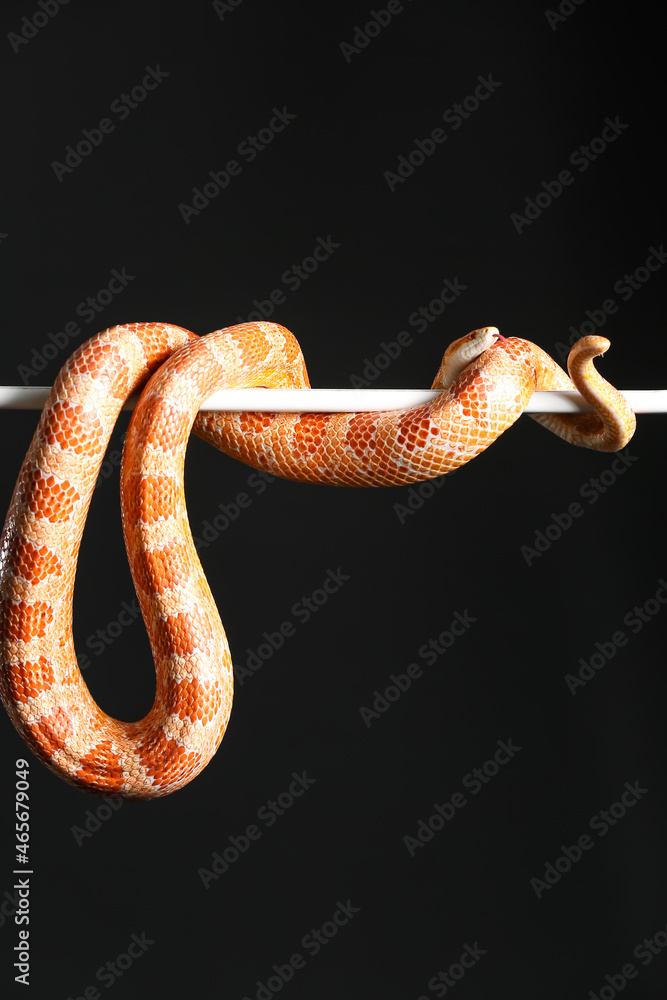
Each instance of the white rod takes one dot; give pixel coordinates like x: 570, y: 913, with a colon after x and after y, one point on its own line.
x: 27, y: 397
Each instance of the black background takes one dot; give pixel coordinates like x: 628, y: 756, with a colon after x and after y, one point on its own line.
x: 136, y: 870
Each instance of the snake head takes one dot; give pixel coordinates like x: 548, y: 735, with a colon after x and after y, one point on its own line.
x: 464, y: 351
x: 478, y: 341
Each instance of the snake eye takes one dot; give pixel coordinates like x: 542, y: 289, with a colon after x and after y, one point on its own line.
x: 472, y: 336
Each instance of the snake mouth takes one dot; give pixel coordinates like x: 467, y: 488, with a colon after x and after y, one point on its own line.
x: 500, y: 340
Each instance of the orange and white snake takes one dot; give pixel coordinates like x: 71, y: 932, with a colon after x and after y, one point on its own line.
x: 486, y: 382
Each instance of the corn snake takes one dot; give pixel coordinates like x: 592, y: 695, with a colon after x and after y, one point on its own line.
x: 486, y: 382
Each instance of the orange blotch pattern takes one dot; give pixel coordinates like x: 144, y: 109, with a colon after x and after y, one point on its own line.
x: 182, y: 635
x: 74, y: 428
x: 103, y: 759
x: 51, y: 733
x: 191, y: 699
x: 22, y: 621
x: 361, y: 431
x: 163, y: 569
x: 414, y: 432
x: 33, y: 563
x: 166, y: 760
x: 29, y: 680
x: 48, y: 497
x: 309, y: 433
